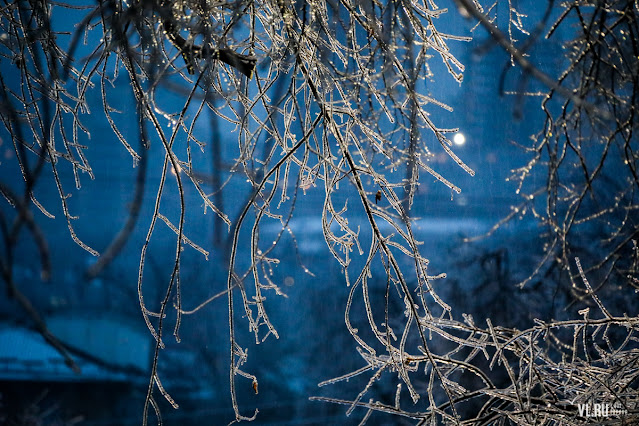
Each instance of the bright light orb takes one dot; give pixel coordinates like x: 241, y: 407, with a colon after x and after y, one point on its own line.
x: 459, y: 139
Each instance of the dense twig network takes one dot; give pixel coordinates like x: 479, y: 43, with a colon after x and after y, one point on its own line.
x: 586, y: 148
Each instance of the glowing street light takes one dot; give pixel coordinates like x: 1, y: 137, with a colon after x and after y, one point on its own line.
x: 459, y: 139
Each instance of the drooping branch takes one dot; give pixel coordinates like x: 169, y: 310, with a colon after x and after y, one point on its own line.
x: 192, y: 52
